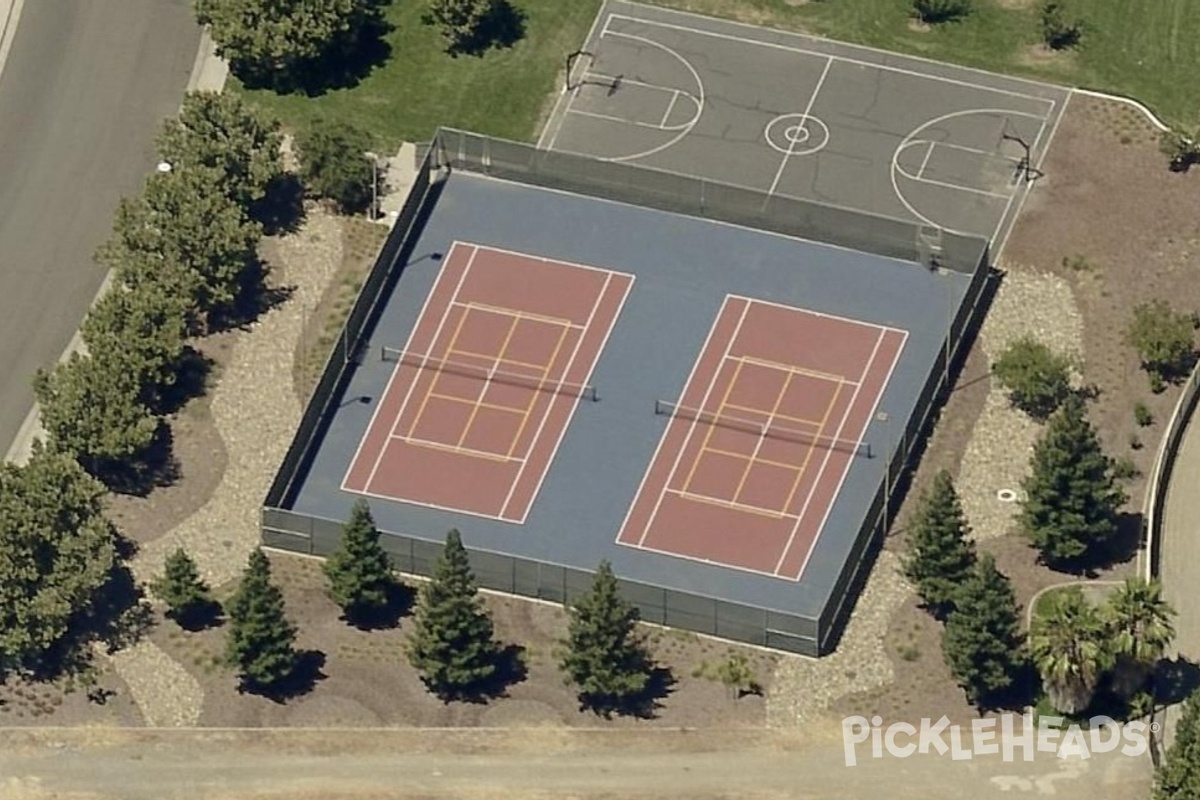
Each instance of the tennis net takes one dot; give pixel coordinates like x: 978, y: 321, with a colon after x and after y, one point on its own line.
x: 763, y: 428
x: 487, y: 374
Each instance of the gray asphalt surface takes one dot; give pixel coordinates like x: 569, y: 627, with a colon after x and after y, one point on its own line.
x: 82, y: 93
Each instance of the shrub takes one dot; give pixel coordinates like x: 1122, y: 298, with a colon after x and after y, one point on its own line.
x: 1182, y: 149
x: 935, y: 11
x: 1142, y: 415
x: 1037, y: 378
x: 1061, y: 26
x: 1163, y: 340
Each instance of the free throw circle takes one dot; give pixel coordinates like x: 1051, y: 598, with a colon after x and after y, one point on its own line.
x: 797, y: 134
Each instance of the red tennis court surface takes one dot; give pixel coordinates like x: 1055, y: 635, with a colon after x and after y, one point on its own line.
x: 761, y: 440
x: 483, y: 392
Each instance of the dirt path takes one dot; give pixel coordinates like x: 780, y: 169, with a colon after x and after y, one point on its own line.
x: 530, y: 763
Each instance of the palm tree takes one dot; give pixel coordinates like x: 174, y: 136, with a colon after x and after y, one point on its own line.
x: 1069, y: 648
x: 1139, y: 632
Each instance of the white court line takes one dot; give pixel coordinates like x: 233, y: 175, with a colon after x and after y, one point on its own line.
x: 554, y: 401
x: 487, y: 455
x: 800, y: 310
x: 956, y: 187
x: 687, y: 439
x: 837, y: 434
x: 804, y: 119
x: 684, y: 129
x: 670, y: 107
x: 845, y: 471
x: 396, y: 370
x: 587, y: 379
x: 846, y: 59
x: 436, y: 506
x: 658, y: 448
x: 543, y: 259
x: 925, y: 161
x: 621, y: 120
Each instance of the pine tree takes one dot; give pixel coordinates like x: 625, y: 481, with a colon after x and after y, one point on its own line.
x: 360, y: 572
x: 1072, y: 499
x: 181, y: 588
x: 452, y: 645
x: 940, y: 554
x: 982, y: 640
x: 261, y: 640
x: 1179, y: 776
x: 605, y: 657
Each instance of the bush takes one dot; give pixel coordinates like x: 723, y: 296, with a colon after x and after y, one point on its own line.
x: 1061, y: 26
x: 1142, y: 415
x: 1163, y: 340
x: 1182, y: 149
x: 1038, y: 380
x: 334, y: 163
x: 935, y: 11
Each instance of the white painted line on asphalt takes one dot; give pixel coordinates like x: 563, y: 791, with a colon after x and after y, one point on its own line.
x: 10, y: 12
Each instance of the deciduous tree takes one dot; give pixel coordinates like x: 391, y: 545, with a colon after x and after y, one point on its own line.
x: 334, y: 163
x: 1038, y: 380
x: 1164, y: 340
x: 220, y: 131
x: 57, y: 552
x: 462, y: 22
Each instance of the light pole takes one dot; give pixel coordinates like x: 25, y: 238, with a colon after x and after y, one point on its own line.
x: 374, y: 185
x: 882, y: 416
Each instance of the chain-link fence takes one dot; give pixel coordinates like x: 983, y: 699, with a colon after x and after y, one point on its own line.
x: 670, y: 192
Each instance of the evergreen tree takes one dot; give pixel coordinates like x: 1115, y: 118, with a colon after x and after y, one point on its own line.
x: 1179, y: 776
x: 982, y: 640
x: 605, y: 658
x: 360, y: 572
x: 261, y: 641
x: 452, y: 645
x: 1071, y: 496
x: 181, y: 588
x: 57, y: 552
x: 940, y: 554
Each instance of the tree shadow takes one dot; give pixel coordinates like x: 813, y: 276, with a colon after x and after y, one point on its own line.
x: 302, y: 680
x: 346, y: 61
x: 1174, y: 680
x: 1017, y: 696
x: 255, y: 298
x: 192, y: 374
x: 1121, y: 548
x: 154, y: 467
x: 199, y: 616
x: 643, y: 705
x: 400, y: 599
x: 281, y: 209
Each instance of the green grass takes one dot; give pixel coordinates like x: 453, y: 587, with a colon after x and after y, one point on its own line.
x: 1146, y: 49
x: 419, y: 87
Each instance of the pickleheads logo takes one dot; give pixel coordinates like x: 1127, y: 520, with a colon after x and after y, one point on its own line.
x: 1007, y: 735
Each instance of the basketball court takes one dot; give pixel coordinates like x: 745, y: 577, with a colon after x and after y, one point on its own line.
x: 949, y: 147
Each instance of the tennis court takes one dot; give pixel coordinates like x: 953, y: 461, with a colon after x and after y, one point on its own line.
x: 761, y: 439
x: 482, y: 393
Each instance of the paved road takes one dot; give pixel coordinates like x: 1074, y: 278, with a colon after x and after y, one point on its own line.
x: 528, y: 763
x: 84, y: 87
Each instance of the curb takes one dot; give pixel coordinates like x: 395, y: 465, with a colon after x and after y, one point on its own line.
x: 208, y: 74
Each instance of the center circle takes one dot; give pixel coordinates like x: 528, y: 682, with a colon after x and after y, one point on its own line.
x: 796, y: 134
